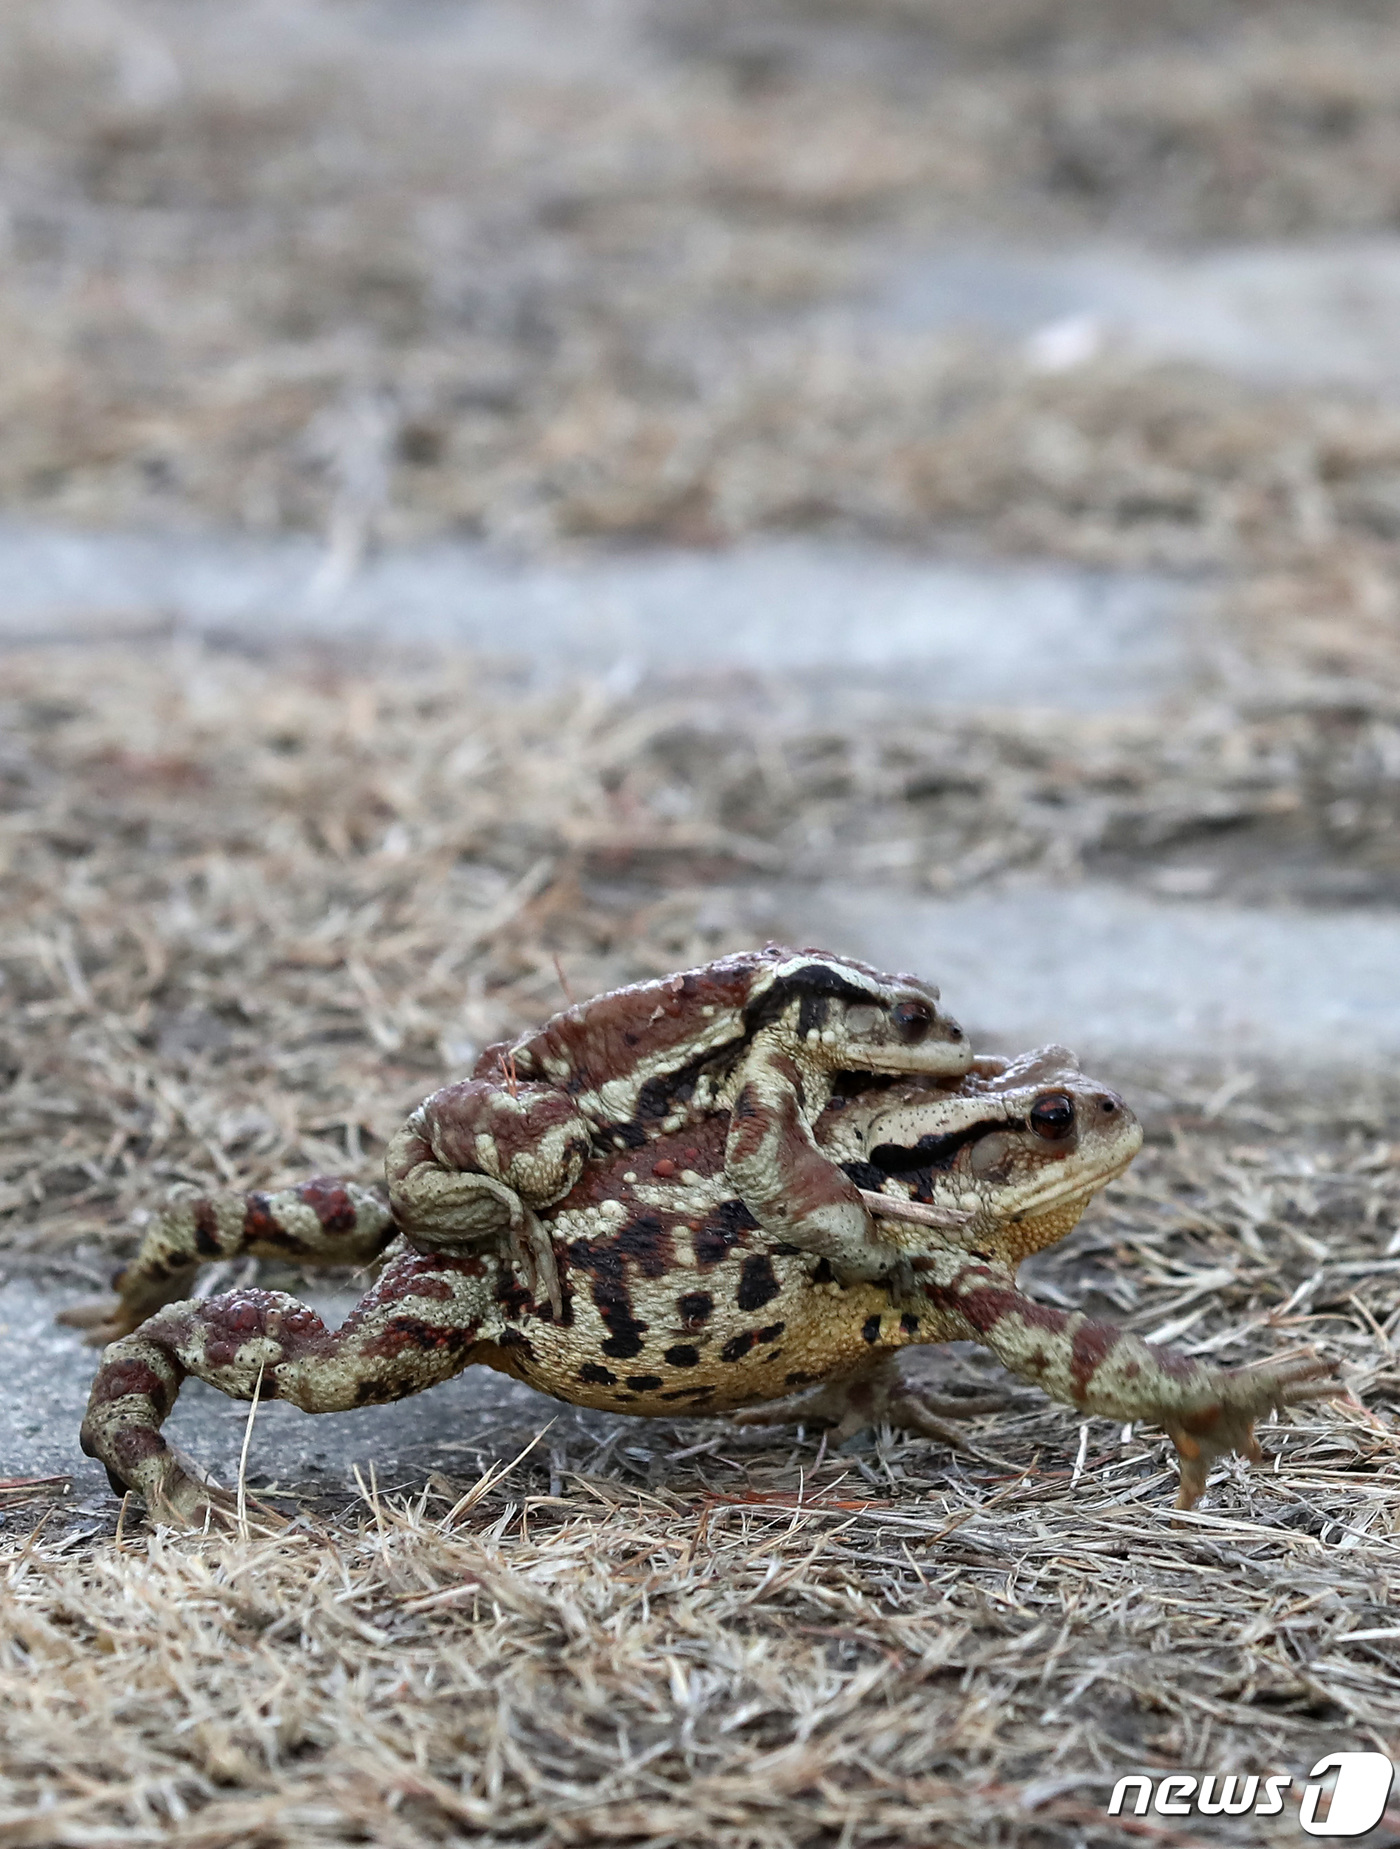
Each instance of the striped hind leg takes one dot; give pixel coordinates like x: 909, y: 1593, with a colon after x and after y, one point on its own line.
x: 322, y: 1222
x: 418, y: 1325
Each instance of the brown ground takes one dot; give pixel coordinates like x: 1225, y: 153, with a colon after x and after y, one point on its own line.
x: 251, y: 910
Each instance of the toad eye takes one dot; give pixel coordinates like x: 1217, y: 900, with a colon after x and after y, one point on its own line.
x: 1052, y: 1115
x: 911, y: 1021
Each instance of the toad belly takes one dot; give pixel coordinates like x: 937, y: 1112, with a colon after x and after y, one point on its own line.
x: 754, y: 1326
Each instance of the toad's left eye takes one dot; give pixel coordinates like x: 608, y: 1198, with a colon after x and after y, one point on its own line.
x: 1052, y: 1115
x: 911, y: 1021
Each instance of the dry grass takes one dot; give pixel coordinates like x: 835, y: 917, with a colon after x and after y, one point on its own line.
x: 283, y: 265
x: 776, y: 1656
x: 254, y: 909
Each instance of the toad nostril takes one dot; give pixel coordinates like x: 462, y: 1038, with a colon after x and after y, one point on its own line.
x: 1108, y: 1106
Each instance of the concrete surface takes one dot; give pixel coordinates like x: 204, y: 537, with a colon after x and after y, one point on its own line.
x: 1124, y: 977
x: 1325, y: 313
x: 45, y: 1373
x: 1044, y: 635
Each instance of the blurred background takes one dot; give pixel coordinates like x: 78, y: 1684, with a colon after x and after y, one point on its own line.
x: 500, y: 499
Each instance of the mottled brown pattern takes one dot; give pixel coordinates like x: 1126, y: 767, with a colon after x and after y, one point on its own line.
x: 329, y: 1201
x: 116, y: 1379
x: 1092, y: 1344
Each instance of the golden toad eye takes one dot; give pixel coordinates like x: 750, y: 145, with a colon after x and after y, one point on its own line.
x: 1052, y: 1115
x: 911, y: 1021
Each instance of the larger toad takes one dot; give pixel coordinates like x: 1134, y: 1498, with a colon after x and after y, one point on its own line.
x: 675, y: 1300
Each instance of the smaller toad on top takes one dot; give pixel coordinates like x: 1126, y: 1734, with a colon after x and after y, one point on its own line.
x: 760, y: 1035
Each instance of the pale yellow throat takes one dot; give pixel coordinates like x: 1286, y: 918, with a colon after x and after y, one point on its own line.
x: 1017, y: 1239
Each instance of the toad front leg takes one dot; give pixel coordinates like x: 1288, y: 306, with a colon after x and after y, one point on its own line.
x: 795, y: 1192
x: 476, y: 1160
x: 1207, y: 1412
x: 884, y: 1393
x: 416, y: 1327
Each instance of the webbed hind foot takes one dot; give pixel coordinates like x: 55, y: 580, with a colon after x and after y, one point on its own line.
x: 883, y: 1394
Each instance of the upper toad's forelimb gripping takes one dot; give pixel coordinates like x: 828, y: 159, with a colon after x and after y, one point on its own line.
x: 529, y: 1138
x: 476, y: 1159
x: 1207, y: 1412
x: 324, y: 1221
x: 415, y: 1327
x: 794, y: 1191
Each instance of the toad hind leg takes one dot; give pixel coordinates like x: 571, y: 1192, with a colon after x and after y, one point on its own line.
x: 882, y: 1393
x: 322, y: 1222
x: 473, y: 1164
x: 417, y: 1326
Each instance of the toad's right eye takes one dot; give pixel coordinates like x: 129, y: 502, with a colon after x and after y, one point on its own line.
x: 1052, y: 1115
x: 911, y: 1021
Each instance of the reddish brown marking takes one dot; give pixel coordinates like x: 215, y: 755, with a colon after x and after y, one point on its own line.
x: 239, y: 1313
x: 412, y: 1332
x: 786, y: 1068
x: 1093, y: 1343
x: 258, y: 1223
x: 417, y: 1149
x: 603, y: 1180
x: 134, y: 1446
x: 648, y: 1020
x: 984, y: 1305
x: 230, y: 1320
x: 748, y: 1127
x: 1172, y: 1362
x: 1202, y: 1424
x: 327, y: 1199
x: 433, y: 1286
x: 119, y: 1378
x: 416, y: 1274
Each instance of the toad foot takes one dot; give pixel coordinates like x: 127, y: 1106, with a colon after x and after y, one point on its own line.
x: 1226, y: 1423
x: 883, y: 1394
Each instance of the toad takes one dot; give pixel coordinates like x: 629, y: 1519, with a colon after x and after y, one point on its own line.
x: 676, y: 1300
x: 757, y: 1037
